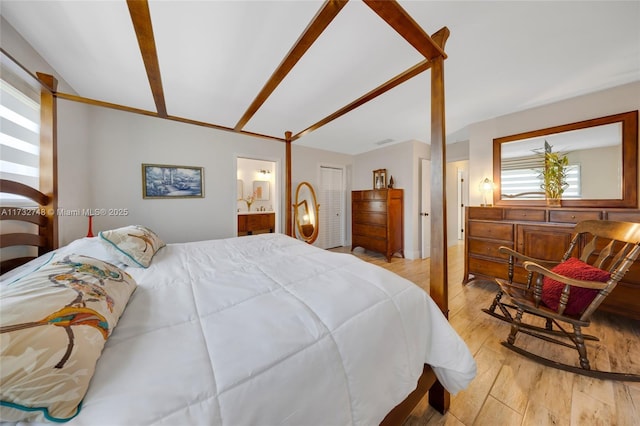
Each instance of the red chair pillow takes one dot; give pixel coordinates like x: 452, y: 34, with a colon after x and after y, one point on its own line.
x: 579, y: 298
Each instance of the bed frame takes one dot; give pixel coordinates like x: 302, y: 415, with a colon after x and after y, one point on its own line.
x: 42, y: 216
x: 431, y: 47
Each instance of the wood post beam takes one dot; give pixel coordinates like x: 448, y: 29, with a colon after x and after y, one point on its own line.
x: 439, y: 284
x: 288, y: 203
x: 141, y: 19
x: 398, y: 18
x: 395, y: 81
x: 49, y: 159
x: 103, y: 104
x: 318, y: 24
x: 438, y: 270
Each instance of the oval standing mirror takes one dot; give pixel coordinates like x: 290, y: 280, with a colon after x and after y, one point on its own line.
x: 305, y: 213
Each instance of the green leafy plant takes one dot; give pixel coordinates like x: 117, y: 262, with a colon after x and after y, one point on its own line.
x: 554, y: 174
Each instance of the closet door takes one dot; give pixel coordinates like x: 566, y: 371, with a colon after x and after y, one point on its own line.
x: 332, y: 207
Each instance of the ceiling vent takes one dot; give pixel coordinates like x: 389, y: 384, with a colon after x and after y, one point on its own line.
x: 384, y: 141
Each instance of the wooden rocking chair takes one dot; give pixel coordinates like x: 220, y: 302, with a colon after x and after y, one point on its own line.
x: 570, y: 293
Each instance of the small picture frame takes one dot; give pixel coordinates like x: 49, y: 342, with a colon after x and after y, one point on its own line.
x: 380, y: 179
x: 261, y: 190
x: 168, y: 181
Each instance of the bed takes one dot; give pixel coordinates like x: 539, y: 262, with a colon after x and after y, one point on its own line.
x: 261, y: 329
x: 412, y: 349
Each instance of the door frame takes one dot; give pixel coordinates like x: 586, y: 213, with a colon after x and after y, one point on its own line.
x: 343, y: 198
x: 276, y: 192
x: 425, y: 243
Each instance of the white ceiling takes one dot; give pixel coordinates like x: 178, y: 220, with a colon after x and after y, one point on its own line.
x: 215, y: 56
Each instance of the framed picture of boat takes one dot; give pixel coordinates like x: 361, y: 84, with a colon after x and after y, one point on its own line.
x: 166, y: 181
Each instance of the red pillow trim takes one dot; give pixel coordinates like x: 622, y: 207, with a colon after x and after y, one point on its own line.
x: 579, y: 298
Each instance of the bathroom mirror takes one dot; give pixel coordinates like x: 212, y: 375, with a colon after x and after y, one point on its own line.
x: 603, y: 160
x: 305, y: 213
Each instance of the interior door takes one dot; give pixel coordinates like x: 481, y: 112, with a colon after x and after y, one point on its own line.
x: 425, y: 207
x: 332, y: 206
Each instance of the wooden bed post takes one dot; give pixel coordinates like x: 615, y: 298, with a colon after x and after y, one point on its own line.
x: 438, y: 278
x: 287, y: 214
x: 49, y: 158
x: 439, y: 398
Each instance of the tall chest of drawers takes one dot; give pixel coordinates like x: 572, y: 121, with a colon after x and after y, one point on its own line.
x: 542, y: 233
x: 377, y: 222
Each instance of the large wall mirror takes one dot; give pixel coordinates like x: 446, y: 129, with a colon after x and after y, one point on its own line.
x: 603, y: 163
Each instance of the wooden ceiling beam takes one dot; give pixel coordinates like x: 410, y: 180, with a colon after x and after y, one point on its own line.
x: 141, y: 18
x: 104, y: 104
x: 395, y: 81
x: 398, y: 18
x: 318, y: 24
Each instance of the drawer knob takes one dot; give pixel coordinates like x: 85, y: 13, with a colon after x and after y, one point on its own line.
x: 573, y: 217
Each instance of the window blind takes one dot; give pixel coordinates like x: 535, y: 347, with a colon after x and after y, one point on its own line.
x: 19, y: 130
x: 525, y: 183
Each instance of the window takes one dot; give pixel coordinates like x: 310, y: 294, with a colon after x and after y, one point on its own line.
x: 524, y: 183
x: 19, y: 129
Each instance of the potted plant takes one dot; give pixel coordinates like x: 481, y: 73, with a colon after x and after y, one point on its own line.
x: 554, y: 175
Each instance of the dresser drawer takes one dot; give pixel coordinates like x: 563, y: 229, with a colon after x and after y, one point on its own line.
x: 487, y: 248
x: 573, y: 216
x: 370, y: 206
x: 525, y: 214
x: 496, y: 231
x: 369, y: 218
x: 624, y: 216
x: 484, y: 213
x: 495, y: 269
x: 369, y: 195
x: 370, y: 230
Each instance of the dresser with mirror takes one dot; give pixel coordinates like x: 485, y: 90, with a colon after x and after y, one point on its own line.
x: 605, y: 151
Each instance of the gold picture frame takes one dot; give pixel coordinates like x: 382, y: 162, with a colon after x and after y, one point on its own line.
x: 380, y: 179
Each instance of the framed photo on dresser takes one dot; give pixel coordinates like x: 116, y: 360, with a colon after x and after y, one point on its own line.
x: 380, y: 179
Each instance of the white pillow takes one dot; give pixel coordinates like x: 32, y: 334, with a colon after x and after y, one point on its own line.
x: 136, y: 244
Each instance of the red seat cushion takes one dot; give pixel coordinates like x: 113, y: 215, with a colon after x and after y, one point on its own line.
x: 579, y: 298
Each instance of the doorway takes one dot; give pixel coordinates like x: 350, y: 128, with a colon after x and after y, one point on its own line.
x: 425, y: 207
x: 256, y: 196
x: 331, y: 197
x: 461, y: 203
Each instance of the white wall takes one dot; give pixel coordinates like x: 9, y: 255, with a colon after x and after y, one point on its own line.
x: 606, y: 102
x: 75, y: 177
x: 120, y: 142
x: 100, y: 156
x: 593, y: 162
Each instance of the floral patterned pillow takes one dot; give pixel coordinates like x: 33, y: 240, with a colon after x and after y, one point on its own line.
x: 54, y: 323
x: 136, y: 244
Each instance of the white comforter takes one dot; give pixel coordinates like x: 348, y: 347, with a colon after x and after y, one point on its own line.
x: 267, y: 330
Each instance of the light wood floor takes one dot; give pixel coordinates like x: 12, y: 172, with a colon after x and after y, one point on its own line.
x: 512, y: 390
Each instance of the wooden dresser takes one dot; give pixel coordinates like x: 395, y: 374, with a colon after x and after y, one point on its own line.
x: 256, y: 223
x: 377, y: 221
x: 542, y: 233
